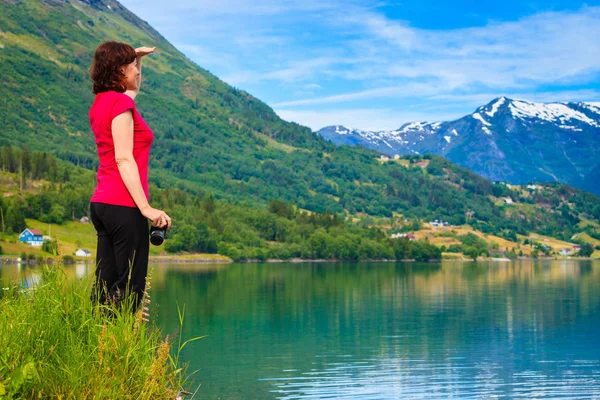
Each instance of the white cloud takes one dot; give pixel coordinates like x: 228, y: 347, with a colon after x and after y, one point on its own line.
x: 549, y: 48
x: 401, y: 91
x: 206, y: 56
x: 360, y: 59
x: 301, y: 70
x: 361, y: 118
x: 238, y: 78
x: 396, y: 33
x: 538, y: 49
x: 478, y: 99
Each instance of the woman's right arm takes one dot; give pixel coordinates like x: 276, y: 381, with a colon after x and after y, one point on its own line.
x: 122, y: 133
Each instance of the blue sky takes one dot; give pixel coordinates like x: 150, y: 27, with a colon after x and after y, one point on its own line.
x: 378, y: 64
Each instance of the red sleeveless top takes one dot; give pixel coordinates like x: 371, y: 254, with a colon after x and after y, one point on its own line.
x: 110, y: 188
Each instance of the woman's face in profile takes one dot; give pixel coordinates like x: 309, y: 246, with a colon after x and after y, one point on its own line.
x: 132, y: 72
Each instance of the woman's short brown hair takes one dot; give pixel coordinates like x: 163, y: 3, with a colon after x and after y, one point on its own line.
x: 106, y: 73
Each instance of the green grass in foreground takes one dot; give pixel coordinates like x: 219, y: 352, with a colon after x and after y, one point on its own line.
x: 54, y: 343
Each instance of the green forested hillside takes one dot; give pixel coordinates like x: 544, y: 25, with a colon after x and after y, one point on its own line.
x: 35, y: 185
x: 214, y: 141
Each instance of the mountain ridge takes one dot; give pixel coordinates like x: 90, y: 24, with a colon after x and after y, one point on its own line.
x: 491, y: 141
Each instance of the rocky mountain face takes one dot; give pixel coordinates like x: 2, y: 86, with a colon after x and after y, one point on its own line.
x: 505, y: 140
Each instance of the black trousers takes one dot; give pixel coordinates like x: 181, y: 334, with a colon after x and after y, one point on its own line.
x: 122, y: 255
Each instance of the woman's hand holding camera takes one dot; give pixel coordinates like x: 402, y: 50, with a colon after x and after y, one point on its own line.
x: 157, y: 218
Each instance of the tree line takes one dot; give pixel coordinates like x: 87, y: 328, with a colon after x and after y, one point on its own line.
x: 241, y: 230
x: 248, y: 229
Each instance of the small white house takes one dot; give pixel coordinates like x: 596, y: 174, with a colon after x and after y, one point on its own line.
x: 439, y: 222
x: 565, y: 252
x: 83, y: 253
x: 398, y: 235
x: 507, y: 200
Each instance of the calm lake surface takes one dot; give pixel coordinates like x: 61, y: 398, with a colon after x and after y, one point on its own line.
x: 384, y: 330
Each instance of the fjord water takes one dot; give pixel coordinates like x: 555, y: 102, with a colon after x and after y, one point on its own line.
x: 387, y: 331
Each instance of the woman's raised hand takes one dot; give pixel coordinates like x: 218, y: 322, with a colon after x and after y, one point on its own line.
x: 144, y: 51
x: 157, y: 217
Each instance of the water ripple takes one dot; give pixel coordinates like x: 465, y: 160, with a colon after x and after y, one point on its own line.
x: 383, y: 379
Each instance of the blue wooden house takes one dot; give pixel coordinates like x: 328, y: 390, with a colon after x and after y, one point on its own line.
x: 32, y: 237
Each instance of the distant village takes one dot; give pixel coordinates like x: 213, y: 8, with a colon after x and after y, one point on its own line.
x: 440, y: 223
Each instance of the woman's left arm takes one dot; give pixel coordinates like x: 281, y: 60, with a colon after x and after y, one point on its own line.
x: 140, y: 53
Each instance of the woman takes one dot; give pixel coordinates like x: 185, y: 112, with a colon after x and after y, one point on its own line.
x: 119, y: 207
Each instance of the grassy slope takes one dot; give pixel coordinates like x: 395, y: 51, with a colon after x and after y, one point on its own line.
x: 74, y: 235
x: 439, y: 237
x: 56, y: 344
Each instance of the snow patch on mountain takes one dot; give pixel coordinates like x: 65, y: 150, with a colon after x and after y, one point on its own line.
x: 342, y: 130
x: 478, y: 117
x: 548, y: 112
x: 570, y: 127
x: 593, y: 107
x: 418, y: 126
x: 413, y: 126
x: 496, y: 106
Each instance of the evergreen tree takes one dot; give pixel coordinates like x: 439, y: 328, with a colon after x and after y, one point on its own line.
x: 26, y: 161
x: 14, y: 218
x: 208, y: 203
x: 586, y: 250
x: 9, y: 159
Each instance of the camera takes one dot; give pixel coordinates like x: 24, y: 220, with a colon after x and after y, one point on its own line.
x: 157, y: 235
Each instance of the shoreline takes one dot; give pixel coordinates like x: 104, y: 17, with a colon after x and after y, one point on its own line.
x: 189, y: 259
x: 199, y: 259
x: 301, y: 260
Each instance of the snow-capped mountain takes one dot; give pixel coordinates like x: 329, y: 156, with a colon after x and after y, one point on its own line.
x: 506, y: 140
